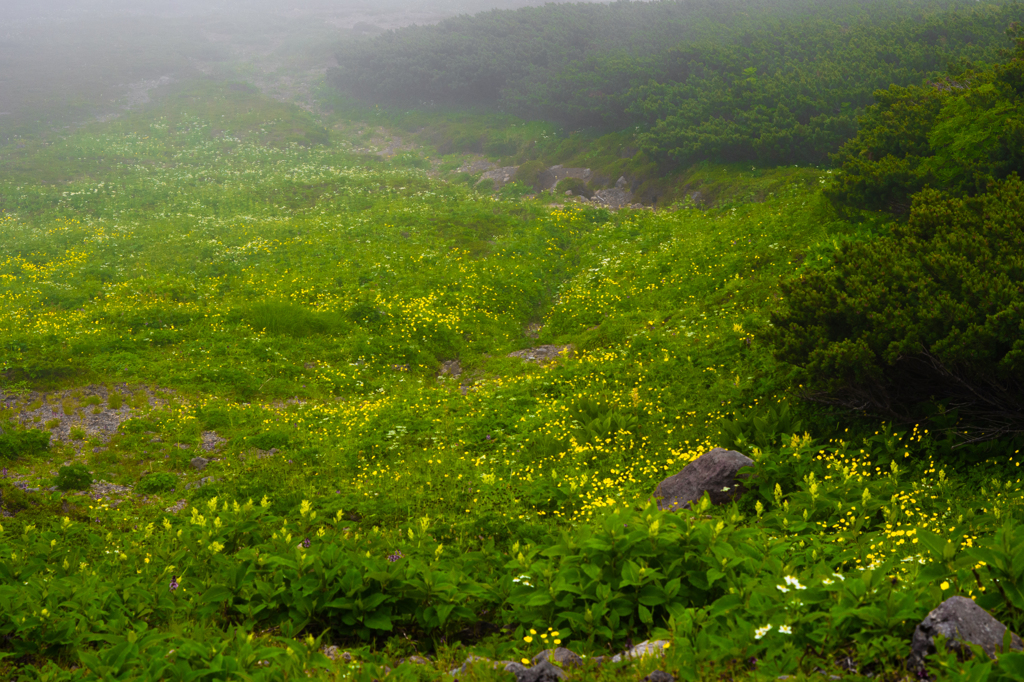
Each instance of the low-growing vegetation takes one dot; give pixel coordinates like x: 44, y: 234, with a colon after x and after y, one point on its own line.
x: 268, y: 398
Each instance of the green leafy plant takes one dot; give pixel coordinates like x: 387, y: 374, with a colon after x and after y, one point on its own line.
x: 16, y: 442
x: 763, y: 428
x: 73, y: 477
x: 159, y: 482
x: 575, y: 185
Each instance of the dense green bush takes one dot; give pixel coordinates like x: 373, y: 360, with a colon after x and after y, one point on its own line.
x: 529, y: 174
x: 771, y: 83
x: 574, y: 185
x: 160, y: 482
x: 932, y: 312
x: 73, y: 477
x: 15, y: 442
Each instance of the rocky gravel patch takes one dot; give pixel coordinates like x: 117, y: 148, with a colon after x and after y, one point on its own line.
x: 74, y: 415
x: 542, y: 355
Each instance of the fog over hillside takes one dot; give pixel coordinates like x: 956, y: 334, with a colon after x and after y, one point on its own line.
x: 67, y: 62
x: 20, y: 10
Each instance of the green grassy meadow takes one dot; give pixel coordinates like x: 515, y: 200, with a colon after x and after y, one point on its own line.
x: 218, y: 262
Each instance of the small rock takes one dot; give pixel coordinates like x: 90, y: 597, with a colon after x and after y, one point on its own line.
x: 177, y: 507
x: 515, y: 668
x: 211, y: 441
x: 199, y: 463
x: 415, y: 660
x: 451, y: 368
x: 205, y: 480
x: 659, y: 676
x: 560, y: 655
x: 335, y: 654
x: 544, y: 354
x: 469, y: 661
x: 642, y: 650
x: 714, y: 472
x: 545, y: 671
x: 961, y: 622
x: 105, y: 489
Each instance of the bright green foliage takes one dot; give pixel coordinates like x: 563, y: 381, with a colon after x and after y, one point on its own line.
x: 826, y: 546
x: 762, y: 430
x: 16, y: 442
x: 73, y: 477
x: 934, y: 311
x: 303, y: 298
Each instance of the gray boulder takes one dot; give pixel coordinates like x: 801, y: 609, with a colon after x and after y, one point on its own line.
x: 199, y: 463
x: 515, y: 668
x: 212, y: 441
x: 542, y: 355
x: 961, y: 622
x: 565, y: 657
x: 659, y: 676
x: 472, y: 660
x: 545, y: 671
x: 714, y: 472
x: 642, y: 650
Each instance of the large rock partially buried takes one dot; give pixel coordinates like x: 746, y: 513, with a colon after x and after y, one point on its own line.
x: 714, y: 472
x: 961, y: 622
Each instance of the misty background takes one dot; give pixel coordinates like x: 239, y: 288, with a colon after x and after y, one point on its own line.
x: 63, y: 63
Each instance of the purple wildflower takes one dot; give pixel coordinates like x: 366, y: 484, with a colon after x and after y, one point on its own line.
x: 396, y: 556
x: 306, y: 543
x: 174, y: 583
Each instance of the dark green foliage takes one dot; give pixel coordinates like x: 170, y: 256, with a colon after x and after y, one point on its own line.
x: 881, y: 167
x: 775, y: 83
x: 73, y: 477
x: 15, y: 442
x: 935, y: 311
x: 958, y: 133
x: 159, y: 482
x: 529, y: 174
x: 574, y: 185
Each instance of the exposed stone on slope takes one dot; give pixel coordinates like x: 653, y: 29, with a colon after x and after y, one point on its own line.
x: 961, y: 622
x: 714, y: 472
x: 544, y: 354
